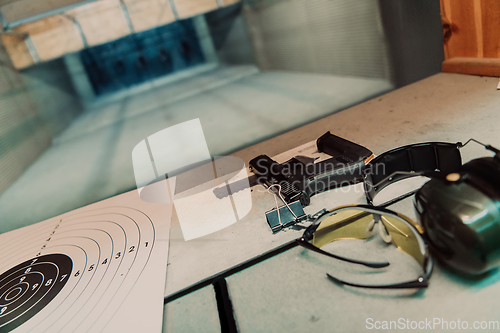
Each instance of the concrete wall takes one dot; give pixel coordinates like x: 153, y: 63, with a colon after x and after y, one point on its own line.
x: 230, y: 35
x: 35, y: 105
x: 205, y: 39
x: 413, y: 29
x: 79, y: 78
x: 340, y: 37
x: 400, y: 41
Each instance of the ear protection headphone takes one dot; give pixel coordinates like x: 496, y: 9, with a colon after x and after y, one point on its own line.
x: 459, y: 207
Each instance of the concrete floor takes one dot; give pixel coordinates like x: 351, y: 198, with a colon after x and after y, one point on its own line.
x: 237, y: 106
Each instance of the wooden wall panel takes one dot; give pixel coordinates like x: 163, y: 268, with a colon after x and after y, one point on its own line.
x: 101, y: 21
x: 473, y: 66
x: 472, y: 41
x: 147, y: 14
x: 463, y: 40
x: 188, y: 8
x: 491, y: 28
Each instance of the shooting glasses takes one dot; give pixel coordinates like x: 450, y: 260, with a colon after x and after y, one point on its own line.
x: 361, y: 222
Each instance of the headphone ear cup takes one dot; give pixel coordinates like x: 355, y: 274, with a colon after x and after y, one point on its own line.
x: 484, y: 174
x: 461, y: 216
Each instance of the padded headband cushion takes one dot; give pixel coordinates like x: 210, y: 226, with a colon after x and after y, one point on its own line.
x: 420, y: 157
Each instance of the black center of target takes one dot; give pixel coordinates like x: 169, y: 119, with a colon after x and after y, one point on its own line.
x: 28, y: 287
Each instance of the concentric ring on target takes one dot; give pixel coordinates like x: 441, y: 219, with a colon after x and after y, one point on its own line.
x: 13, y: 293
x: 7, y: 297
x: 28, y: 287
x: 32, y: 280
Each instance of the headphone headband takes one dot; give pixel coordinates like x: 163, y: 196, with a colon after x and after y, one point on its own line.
x: 409, y: 161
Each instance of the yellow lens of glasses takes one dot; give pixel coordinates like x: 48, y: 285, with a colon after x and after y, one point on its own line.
x: 405, y: 237
x: 357, y: 223
x: 343, y: 224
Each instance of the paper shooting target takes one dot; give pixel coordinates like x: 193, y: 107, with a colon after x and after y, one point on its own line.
x: 28, y: 287
x: 73, y: 273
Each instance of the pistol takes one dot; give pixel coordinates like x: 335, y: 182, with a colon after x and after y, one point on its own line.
x: 300, y: 178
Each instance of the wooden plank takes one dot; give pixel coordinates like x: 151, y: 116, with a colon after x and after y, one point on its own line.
x: 18, y: 51
x: 189, y: 8
x: 475, y: 26
x: 229, y: 2
x: 491, y: 28
x: 478, y: 25
x: 25, y: 9
x: 53, y: 36
x: 473, y: 66
x: 147, y: 14
x: 445, y: 22
x: 41, y: 26
x: 101, y: 21
x: 463, y: 40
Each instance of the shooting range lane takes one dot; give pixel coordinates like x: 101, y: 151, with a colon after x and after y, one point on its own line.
x: 282, y: 293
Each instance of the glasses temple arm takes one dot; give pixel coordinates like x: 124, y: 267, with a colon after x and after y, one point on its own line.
x: 401, y: 197
x: 302, y: 242
x: 420, y: 283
